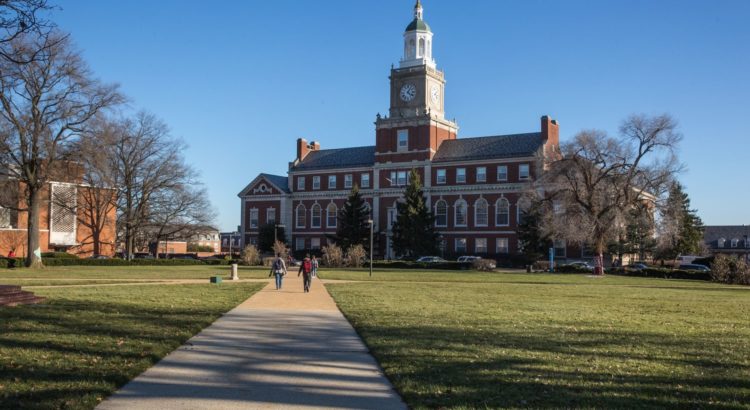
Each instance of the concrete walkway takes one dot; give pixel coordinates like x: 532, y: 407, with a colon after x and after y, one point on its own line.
x: 278, y: 350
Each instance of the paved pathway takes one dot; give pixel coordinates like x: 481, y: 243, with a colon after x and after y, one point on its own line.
x: 279, y: 349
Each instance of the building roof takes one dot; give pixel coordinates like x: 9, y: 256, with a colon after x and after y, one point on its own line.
x: 712, y: 234
x: 338, y: 158
x: 500, y: 146
x: 418, y: 24
x: 278, y: 180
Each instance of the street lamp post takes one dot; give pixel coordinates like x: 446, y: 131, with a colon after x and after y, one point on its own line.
x: 371, y: 222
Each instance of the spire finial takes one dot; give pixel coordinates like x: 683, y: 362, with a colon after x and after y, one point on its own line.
x: 418, y: 10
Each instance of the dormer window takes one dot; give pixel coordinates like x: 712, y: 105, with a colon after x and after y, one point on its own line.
x: 721, y: 242
x: 735, y: 242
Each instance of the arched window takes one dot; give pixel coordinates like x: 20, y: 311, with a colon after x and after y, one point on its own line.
x: 315, y: 216
x: 429, y: 49
x: 301, y: 216
x: 502, y: 212
x: 521, y: 206
x: 331, y: 215
x: 441, y: 213
x: 734, y: 242
x: 460, y: 213
x: 421, y: 48
x: 721, y: 242
x: 412, y: 48
x: 480, y: 212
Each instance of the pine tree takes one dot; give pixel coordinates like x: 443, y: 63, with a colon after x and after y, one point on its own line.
x: 534, y: 241
x: 681, y: 227
x: 266, y: 236
x: 414, y: 229
x: 353, y: 227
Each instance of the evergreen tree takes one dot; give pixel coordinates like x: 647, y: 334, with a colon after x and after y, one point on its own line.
x: 414, y: 229
x: 681, y: 227
x: 533, y: 240
x: 353, y: 227
x: 266, y: 237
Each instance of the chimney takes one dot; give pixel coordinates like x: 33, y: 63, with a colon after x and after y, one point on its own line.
x: 550, y: 131
x: 302, y: 149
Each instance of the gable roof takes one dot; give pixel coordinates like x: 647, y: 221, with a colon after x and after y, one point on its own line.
x: 278, y: 181
x: 338, y: 158
x: 499, y: 146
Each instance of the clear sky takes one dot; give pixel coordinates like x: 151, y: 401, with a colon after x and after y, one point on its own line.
x: 240, y: 81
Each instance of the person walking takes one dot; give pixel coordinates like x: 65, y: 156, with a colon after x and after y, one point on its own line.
x: 278, y: 269
x: 11, y: 259
x: 314, y: 267
x: 305, y: 269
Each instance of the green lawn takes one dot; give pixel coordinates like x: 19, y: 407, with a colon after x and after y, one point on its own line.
x: 83, y: 343
x: 478, y: 340
x: 120, y: 273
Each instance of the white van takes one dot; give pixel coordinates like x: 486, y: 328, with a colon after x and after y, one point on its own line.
x: 686, y: 259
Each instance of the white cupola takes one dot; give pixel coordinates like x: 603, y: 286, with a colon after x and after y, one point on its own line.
x: 417, y: 41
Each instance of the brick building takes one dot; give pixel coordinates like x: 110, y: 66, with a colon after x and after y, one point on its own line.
x: 473, y: 185
x: 64, y: 219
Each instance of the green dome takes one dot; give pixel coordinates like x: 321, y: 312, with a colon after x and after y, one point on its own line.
x: 418, y: 24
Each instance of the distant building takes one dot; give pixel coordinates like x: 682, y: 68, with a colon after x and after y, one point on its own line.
x: 728, y: 240
x: 474, y: 186
x: 201, y: 240
x: 231, y: 242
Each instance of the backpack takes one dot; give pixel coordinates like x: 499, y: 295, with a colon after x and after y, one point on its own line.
x: 277, y: 266
x: 306, y: 266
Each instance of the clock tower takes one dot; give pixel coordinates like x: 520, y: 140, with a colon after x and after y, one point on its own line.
x: 416, y: 125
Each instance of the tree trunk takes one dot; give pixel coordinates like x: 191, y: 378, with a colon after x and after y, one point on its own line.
x: 599, y: 262
x: 34, y: 251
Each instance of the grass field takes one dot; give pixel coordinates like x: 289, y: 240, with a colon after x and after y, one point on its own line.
x: 478, y: 340
x: 83, y: 343
x: 124, y: 273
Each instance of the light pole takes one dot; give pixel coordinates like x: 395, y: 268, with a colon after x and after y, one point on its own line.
x: 231, y: 241
x: 372, y: 223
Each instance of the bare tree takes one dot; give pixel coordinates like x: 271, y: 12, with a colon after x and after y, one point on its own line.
x: 599, y: 179
x: 159, y: 195
x: 21, y: 18
x: 44, y: 106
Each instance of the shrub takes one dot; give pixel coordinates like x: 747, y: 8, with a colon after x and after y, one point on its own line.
x: 355, y: 256
x: 250, y: 255
x: 280, y: 248
x: 333, y: 257
x: 199, y: 248
x: 485, y: 265
x: 730, y: 269
x: 59, y: 255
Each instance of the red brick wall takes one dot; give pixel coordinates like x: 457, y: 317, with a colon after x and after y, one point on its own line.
x: 340, y: 176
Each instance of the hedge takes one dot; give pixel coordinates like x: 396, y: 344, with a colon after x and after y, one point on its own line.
x: 664, y: 273
x: 421, y: 265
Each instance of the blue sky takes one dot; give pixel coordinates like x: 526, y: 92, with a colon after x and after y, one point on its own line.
x: 240, y: 81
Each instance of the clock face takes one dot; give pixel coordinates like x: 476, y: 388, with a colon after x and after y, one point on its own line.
x: 435, y: 94
x: 408, y: 92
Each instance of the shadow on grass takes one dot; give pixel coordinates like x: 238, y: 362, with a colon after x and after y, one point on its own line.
x: 498, y: 368
x: 70, y: 352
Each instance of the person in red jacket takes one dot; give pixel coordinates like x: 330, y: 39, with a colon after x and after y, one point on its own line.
x: 305, y: 269
x: 11, y: 259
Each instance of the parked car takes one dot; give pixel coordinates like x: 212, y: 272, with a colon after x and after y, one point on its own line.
x: 695, y: 267
x: 293, y: 262
x: 468, y: 258
x: 637, y: 266
x: 471, y: 259
x: 431, y: 259
x: 581, y: 265
x: 143, y: 256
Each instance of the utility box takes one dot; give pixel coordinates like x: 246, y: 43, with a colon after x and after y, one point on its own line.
x: 216, y: 279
